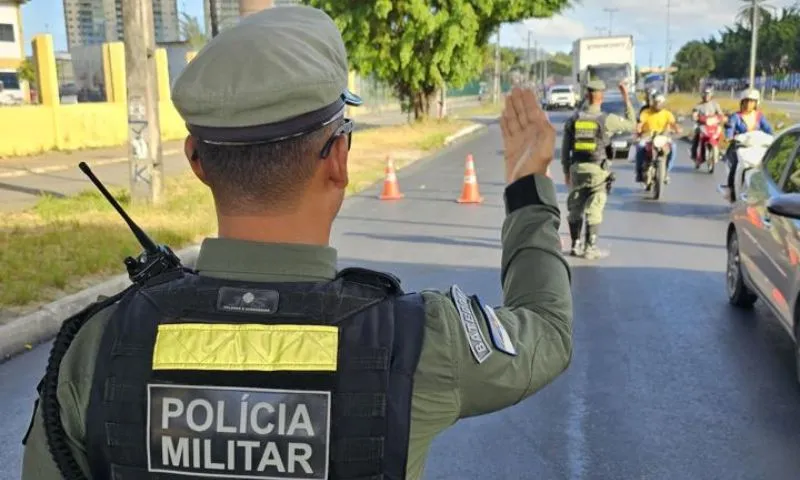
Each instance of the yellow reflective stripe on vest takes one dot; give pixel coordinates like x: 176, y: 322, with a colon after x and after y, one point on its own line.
x: 585, y: 146
x: 585, y: 125
x: 238, y: 347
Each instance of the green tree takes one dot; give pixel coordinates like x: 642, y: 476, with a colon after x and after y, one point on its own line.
x: 418, y: 46
x: 192, y: 32
x: 27, y: 72
x: 695, y: 61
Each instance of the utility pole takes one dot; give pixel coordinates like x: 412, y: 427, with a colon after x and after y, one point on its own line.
x: 544, y: 67
x: 754, y: 20
x: 666, y: 52
x: 144, y: 129
x: 530, y: 60
x: 537, y: 69
x: 610, y: 12
x: 213, y: 14
x: 496, y: 86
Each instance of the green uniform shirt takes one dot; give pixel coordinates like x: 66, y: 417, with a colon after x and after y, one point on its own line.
x: 449, y: 383
x: 614, y: 124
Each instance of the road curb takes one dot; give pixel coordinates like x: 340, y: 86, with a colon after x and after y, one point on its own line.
x: 463, y: 132
x: 43, y: 324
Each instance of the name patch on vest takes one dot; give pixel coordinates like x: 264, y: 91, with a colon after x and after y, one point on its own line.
x: 234, y: 432
x: 244, y: 300
x: 477, y: 342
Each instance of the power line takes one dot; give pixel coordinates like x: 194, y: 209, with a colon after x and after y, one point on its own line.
x: 611, y: 12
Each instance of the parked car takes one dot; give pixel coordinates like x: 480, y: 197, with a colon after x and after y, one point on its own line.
x: 560, y: 96
x: 621, y: 143
x: 763, y: 237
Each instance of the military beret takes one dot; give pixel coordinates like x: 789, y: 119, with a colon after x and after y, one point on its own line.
x: 277, y: 74
x: 596, y: 85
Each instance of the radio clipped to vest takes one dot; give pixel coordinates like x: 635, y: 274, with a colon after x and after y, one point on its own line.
x: 155, y: 259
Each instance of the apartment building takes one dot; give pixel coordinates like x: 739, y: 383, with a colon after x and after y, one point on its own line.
x: 228, y: 11
x: 91, y: 22
x: 12, y: 51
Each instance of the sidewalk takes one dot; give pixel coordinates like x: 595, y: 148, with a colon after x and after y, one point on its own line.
x: 23, y: 180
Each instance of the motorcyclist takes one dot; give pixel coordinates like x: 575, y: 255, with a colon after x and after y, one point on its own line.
x: 705, y: 108
x: 656, y: 119
x: 748, y: 119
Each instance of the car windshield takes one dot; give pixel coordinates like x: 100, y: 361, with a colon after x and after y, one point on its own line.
x: 560, y: 90
x: 617, y: 106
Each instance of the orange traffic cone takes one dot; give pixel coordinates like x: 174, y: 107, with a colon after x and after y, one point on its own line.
x: 391, y: 189
x: 469, y: 193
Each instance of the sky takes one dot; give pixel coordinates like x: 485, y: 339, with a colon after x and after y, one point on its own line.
x: 645, y: 20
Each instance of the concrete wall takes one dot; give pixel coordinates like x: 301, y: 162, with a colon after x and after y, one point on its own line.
x: 27, y: 130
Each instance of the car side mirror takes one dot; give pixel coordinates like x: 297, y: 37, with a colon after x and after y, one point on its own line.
x: 786, y: 205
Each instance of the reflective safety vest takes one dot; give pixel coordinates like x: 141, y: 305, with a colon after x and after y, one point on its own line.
x: 589, y: 142
x: 199, y: 377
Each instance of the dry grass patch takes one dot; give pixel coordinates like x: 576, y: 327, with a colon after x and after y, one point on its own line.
x: 62, y: 245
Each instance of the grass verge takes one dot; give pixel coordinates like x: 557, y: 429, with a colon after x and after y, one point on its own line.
x: 63, y: 245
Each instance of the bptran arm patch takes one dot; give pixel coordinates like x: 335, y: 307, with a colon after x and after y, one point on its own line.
x: 233, y: 432
x: 477, y: 342
x: 500, y: 337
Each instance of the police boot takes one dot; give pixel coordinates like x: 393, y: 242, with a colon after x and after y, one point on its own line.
x: 575, y: 234
x: 591, y: 252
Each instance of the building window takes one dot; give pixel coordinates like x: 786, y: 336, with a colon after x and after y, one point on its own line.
x: 6, y: 32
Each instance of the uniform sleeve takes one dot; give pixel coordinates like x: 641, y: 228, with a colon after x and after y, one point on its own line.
x: 75, y: 380
x: 500, y: 356
x: 764, y: 124
x: 566, y: 145
x: 615, y: 123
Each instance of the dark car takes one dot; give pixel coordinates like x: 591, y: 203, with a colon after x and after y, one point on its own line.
x: 621, y: 143
x: 764, y: 237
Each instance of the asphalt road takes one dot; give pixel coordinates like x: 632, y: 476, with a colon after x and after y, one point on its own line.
x: 667, y: 381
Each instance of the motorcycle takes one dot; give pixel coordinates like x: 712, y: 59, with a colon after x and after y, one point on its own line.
x: 708, y: 146
x: 657, y: 148
x: 749, y: 149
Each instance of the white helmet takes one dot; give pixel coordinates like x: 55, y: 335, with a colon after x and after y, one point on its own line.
x: 659, y: 99
x: 750, y: 94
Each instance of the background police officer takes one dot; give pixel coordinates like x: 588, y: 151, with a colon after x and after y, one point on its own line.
x: 586, y: 166
x: 266, y: 311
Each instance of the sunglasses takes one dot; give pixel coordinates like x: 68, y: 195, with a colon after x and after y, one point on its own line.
x: 345, y: 128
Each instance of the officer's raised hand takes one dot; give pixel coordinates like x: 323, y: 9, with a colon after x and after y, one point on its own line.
x: 528, y: 136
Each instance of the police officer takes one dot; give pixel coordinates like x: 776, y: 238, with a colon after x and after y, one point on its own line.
x: 266, y: 361
x: 586, y: 165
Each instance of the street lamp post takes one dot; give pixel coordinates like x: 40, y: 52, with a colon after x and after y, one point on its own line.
x: 667, y: 51
x: 754, y: 17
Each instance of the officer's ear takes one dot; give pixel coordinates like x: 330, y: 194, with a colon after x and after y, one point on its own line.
x: 190, y: 150
x: 337, y: 161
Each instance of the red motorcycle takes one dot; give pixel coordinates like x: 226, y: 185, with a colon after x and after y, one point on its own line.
x: 708, y: 146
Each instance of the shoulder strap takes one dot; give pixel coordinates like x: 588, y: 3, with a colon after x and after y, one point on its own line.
x: 48, y: 387
x: 382, y: 280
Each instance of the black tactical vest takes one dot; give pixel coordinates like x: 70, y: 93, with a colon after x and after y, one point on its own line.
x: 222, y: 379
x: 589, y: 139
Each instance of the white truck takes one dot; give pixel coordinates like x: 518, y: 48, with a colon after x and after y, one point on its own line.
x: 610, y: 59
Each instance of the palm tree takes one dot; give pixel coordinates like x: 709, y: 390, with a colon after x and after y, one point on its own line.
x: 745, y: 15
x: 192, y: 32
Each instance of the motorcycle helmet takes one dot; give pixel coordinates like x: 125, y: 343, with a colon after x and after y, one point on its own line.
x: 708, y: 91
x: 651, y: 95
x: 659, y: 100
x: 751, y: 94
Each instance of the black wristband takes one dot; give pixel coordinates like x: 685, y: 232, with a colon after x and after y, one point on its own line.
x: 521, y: 193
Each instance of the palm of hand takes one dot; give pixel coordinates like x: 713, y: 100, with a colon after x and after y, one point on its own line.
x: 528, y: 136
